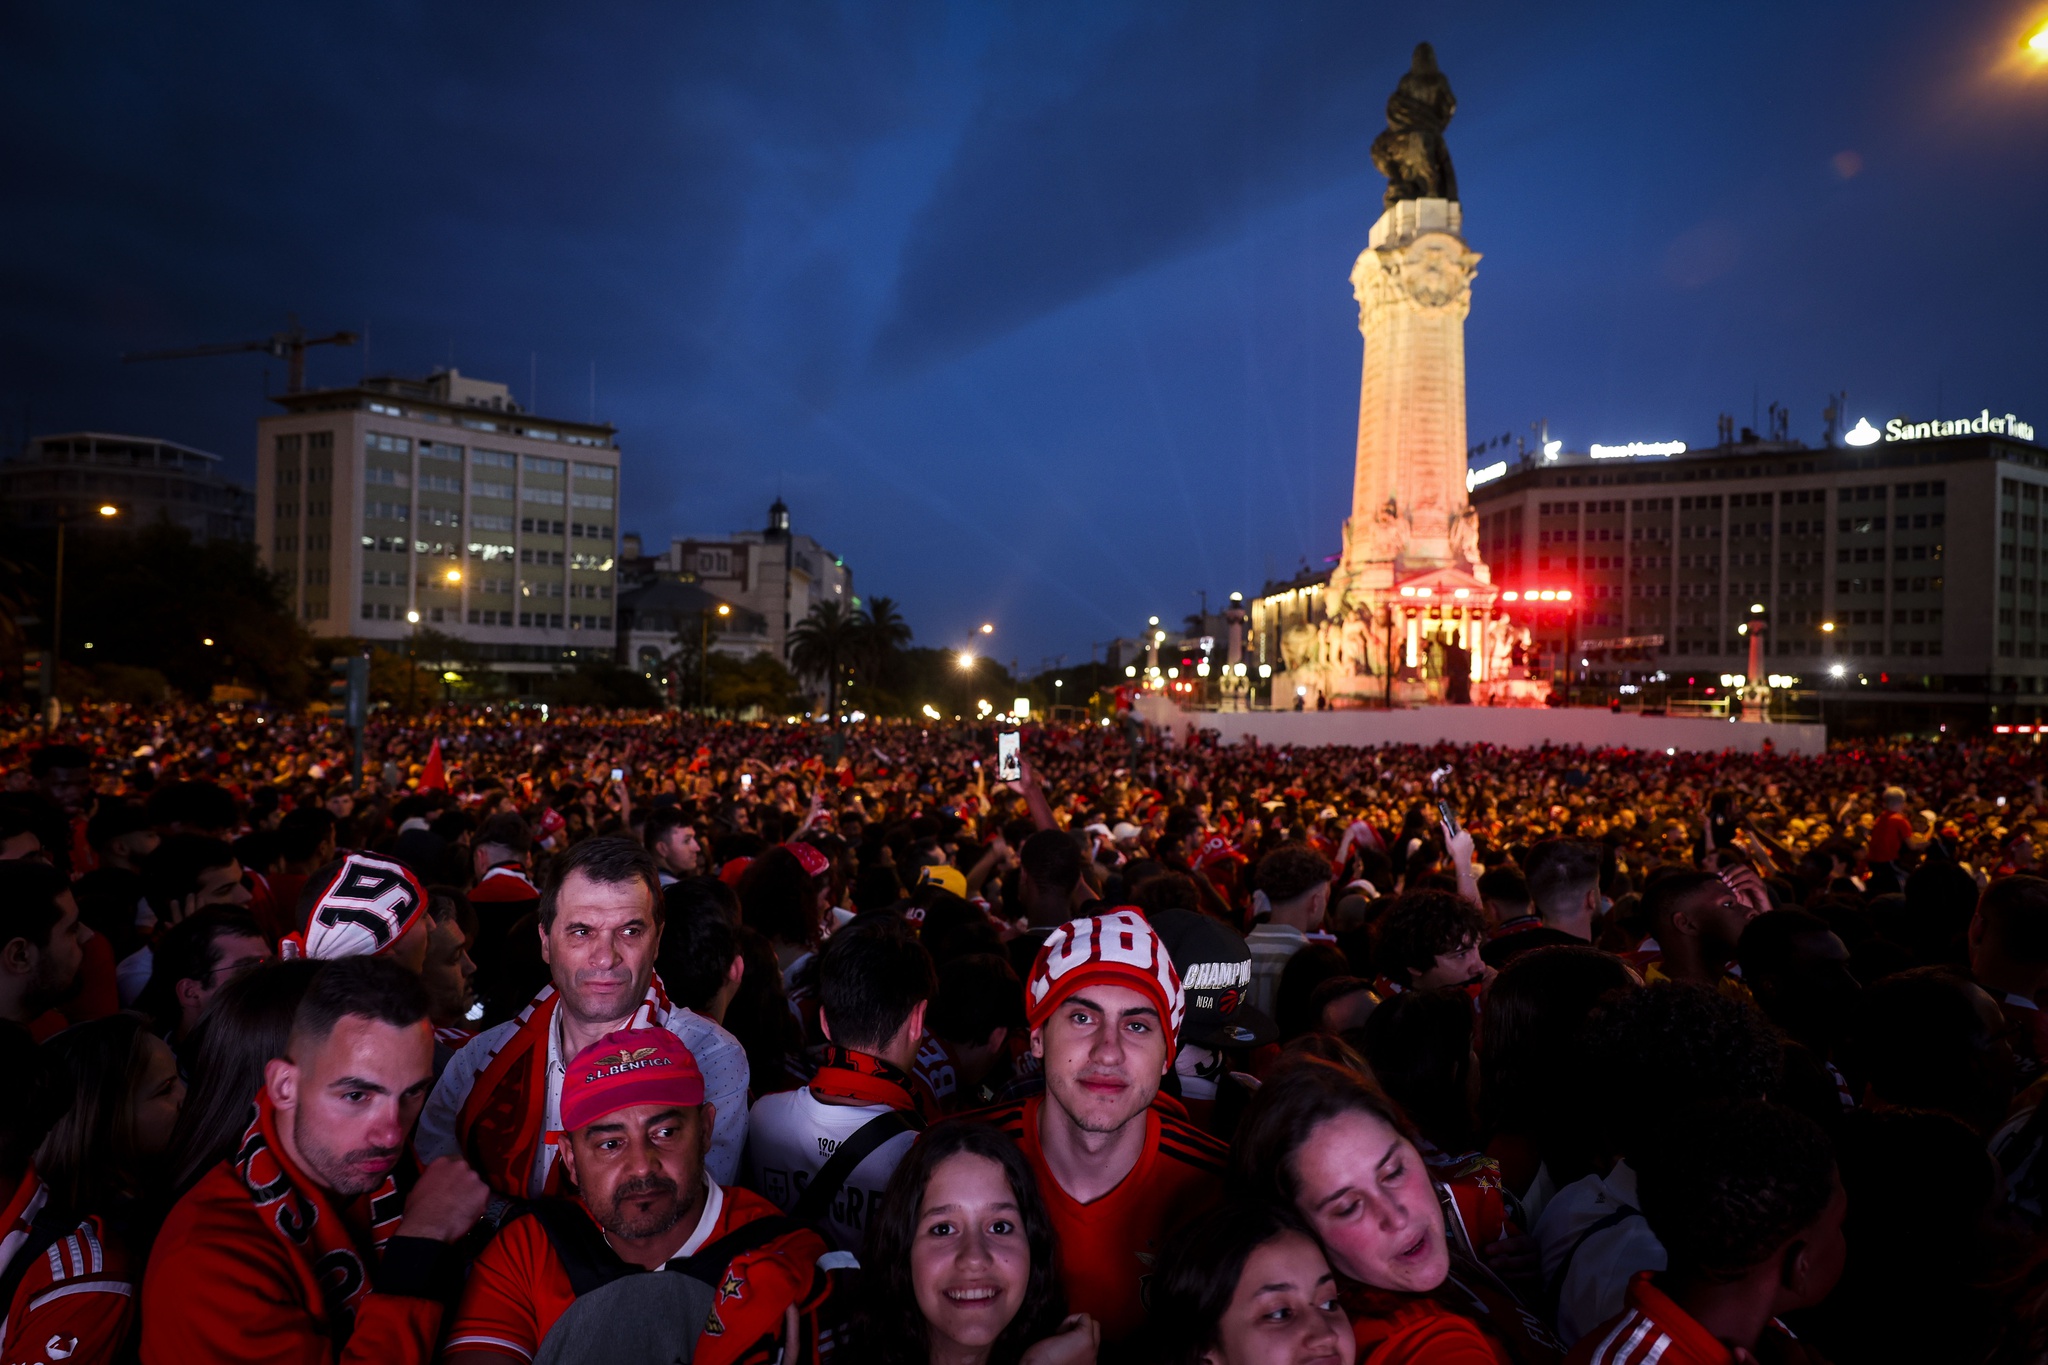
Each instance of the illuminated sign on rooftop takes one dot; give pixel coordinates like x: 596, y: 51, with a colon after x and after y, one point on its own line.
x: 1475, y: 477
x: 1636, y: 450
x: 1899, y: 429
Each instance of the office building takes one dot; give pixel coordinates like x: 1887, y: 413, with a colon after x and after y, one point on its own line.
x: 1904, y: 569
x: 150, y: 480
x: 439, y: 502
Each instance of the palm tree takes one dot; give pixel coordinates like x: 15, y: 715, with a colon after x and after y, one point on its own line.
x: 823, y: 644
x: 884, y: 632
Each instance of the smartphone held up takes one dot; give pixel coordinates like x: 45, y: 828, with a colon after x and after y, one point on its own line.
x: 1009, y: 760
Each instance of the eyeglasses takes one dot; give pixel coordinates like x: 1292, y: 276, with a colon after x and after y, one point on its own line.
x: 234, y: 967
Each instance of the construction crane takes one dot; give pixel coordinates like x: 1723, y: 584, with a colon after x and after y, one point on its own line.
x: 289, y: 345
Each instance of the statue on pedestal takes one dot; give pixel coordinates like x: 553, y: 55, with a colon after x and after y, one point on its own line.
x: 1411, y: 153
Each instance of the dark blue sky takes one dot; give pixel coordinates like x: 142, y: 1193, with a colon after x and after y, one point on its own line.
x: 1036, y: 313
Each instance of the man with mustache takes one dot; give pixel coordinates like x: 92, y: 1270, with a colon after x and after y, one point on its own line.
x: 300, y: 1248
x: 638, y: 1127
x: 498, y: 1103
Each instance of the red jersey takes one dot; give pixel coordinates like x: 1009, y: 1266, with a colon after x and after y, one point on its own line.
x: 76, y: 1300
x: 519, y: 1287
x: 1888, y: 838
x: 1108, y: 1247
x: 1652, y: 1330
x: 222, y: 1288
x: 506, y: 890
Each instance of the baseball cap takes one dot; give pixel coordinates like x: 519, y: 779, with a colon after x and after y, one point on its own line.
x: 814, y: 862
x: 1119, y: 949
x: 951, y: 878
x: 356, y: 906
x: 1125, y: 830
x: 632, y: 1066
x: 1215, y: 966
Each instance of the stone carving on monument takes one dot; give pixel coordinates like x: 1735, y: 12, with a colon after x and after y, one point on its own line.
x: 1410, y: 589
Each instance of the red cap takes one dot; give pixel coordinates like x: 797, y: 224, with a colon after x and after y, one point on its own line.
x: 815, y: 863
x: 632, y: 1066
x: 1120, y: 949
x: 733, y: 870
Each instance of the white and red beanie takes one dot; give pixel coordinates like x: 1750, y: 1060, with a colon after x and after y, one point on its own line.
x: 1119, y: 948
x: 358, y: 906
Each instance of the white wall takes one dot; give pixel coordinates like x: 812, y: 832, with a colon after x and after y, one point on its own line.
x: 1512, y: 726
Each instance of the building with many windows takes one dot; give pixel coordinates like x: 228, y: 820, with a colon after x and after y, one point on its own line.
x: 772, y: 578
x: 1906, y: 569
x: 150, y: 480
x: 439, y: 503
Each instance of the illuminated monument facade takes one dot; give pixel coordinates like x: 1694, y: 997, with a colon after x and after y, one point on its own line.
x: 1410, y: 587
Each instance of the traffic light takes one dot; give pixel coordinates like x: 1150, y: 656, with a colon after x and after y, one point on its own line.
x: 351, y: 689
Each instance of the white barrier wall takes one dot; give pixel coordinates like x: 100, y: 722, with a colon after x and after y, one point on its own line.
x: 1511, y: 726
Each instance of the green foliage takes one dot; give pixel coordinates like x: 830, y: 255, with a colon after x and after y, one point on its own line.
x: 757, y: 681
x: 150, y: 598
x: 601, y: 682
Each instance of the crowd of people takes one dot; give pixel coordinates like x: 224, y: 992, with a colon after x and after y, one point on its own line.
x: 1161, y: 1050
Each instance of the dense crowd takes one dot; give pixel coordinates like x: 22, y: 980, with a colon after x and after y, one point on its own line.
x: 1159, y: 1051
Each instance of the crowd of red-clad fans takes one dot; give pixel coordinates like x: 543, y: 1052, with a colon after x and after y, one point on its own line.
x: 1164, y: 1052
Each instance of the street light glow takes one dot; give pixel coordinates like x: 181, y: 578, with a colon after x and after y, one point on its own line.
x: 413, y: 617
x: 2038, y: 44
x: 1827, y: 626
x: 455, y: 575
x: 724, y: 610
x: 204, y: 640
x: 1756, y: 609
x: 107, y: 509
x: 966, y: 659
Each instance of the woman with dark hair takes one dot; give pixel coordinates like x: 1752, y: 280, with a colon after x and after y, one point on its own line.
x: 759, y: 1015
x: 961, y: 1266
x: 245, y: 1025
x: 104, y: 1157
x: 1242, y: 1285
x: 1323, y: 1143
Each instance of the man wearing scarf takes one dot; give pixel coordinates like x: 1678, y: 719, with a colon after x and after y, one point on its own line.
x: 499, y: 1102
x: 300, y: 1248
x: 874, y: 981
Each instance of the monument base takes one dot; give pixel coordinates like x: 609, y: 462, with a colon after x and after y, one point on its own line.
x: 1512, y: 727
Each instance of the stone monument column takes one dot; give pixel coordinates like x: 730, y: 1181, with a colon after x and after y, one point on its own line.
x: 1413, y: 283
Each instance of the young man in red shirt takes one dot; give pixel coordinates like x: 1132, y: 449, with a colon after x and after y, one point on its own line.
x: 638, y: 1130
x: 1120, y: 1168
x: 300, y: 1248
x: 1749, y: 1208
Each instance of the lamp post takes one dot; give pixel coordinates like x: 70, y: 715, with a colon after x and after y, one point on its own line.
x: 704, y: 653
x: 107, y: 511
x: 412, y: 658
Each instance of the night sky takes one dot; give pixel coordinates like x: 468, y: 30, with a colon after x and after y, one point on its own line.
x: 1037, y: 314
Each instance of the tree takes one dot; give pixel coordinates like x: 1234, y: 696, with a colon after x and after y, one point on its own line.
x: 759, y: 681
x: 885, y: 634
x: 824, y: 644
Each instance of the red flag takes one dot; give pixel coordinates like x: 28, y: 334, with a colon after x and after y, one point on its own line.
x: 433, y: 777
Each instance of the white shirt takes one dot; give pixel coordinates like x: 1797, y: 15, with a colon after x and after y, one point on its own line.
x: 1272, y: 946
x: 719, y: 1055
x: 1594, y: 1288
x: 794, y: 1133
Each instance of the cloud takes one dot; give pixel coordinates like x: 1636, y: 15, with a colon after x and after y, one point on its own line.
x: 1174, y: 128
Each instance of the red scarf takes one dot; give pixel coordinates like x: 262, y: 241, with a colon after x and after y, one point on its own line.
x: 859, y: 1078
x: 332, y: 1268
x: 503, y: 1124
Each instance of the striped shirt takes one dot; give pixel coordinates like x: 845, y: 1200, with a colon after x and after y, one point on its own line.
x: 77, y: 1298
x: 1272, y: 946
x: 1652, y: 1330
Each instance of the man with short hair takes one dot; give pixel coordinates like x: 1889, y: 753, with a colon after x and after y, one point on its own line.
x: 977, y: 1004
x: 40, y: 944
x: 1698, y: 919
x: 499, y: 1101
x: 672, y: 839
x: 300, y: 1246
x: 193, y: 960
x: 500, y: 858
x: 187, y: 872
x: 824, y: 1153
x: 638, y: 1126
x: 1750, y: 1211
x: 1504, y: 896
x: 1290, y: 897
x: 1118, y: 1172
x: 1429, y: 939
x: 448, y: 972
x: 1564, y: 887
x: 1050, y: 889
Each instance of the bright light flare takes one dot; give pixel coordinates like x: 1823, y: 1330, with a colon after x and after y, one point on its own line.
x: 455, y: 575
x: 988, y: 628
x: 107, y: 509
x: 966, y: 659
x: 2038, y: 44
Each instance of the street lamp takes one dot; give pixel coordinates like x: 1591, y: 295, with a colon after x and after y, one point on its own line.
x: 987, y: 628
x: 412, y: 659
x: 704, y: 653
x: 107, y: 511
